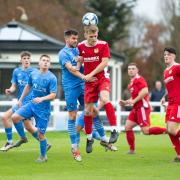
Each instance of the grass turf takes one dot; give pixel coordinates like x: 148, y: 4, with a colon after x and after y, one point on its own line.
x: 153, y: 160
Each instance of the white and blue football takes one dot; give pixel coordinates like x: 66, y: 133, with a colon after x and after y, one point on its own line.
x: 90, y: 19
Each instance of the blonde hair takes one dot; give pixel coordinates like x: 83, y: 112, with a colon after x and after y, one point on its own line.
x: 91, y: 29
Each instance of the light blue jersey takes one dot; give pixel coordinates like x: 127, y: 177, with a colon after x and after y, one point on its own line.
x: 20, y: 78
x: 68, y: 79
x: 42, y: 84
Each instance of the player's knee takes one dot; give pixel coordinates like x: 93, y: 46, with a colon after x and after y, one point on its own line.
x: 171, y: 131
x: 15, y: 118
x: 128, y: 128
x: 78, y: 128
x: 145, y: 131
x: 87, y: 113
x: 104, y: 100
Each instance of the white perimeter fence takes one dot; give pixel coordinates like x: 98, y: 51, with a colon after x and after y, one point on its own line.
x: 59, y: 117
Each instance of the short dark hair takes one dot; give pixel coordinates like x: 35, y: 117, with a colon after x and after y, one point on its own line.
x: 70, y: 32
x: 44, y: 55
x: 170, y: 50
x: 132, y: 64
x: 25, y: 53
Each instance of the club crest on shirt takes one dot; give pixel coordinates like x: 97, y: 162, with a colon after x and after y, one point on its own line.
x: 170, y: 71
x: 96, y: 50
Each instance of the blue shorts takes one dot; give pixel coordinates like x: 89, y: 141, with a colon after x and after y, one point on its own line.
x: 41, y: 118
x: 72, y: 96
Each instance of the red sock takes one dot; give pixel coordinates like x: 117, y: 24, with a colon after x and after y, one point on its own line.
x: 88, y: 124
x: 176, y: 143
x: 130, y: 139
x: 110, y: 114
x: 178, y: 133
x: 157, y: 130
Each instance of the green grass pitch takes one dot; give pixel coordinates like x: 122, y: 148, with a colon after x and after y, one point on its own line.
x: 153, y: 160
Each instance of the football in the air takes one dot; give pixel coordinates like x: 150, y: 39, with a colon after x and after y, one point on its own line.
x: 90, y: 19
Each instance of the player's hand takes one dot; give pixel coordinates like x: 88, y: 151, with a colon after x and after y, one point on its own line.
x: 89, y: 78
x: 163, y: 101
x: 38, y: 100
x: 79, y: 59
x: 8, y: 91
x: 19, y: 103
x: 122, y: 102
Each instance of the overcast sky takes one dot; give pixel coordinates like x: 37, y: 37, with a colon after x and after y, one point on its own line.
x: 149, y: 8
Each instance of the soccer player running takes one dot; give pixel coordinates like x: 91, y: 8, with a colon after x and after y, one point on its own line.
x: 172, y: 83
x: 96, y: 55
x: 19, y: 80
x: 140, y: 113
x: 43, y: 84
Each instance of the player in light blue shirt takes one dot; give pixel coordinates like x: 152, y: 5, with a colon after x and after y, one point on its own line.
x: 73, y: 87
x: 43, y: 84
x: 19, y: 80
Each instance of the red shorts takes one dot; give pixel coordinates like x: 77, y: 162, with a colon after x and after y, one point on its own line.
x: 140, y: 116
x: 173, y: 113
x: 92, y: 90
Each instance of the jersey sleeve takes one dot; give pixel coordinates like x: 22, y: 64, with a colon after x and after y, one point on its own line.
x: 63, y: 58
x: 53, y: 85
x: 30, y: 80
x: 106, y: 51
x: 14, y: 77
x: 177, y: 70
x: 142, y: 83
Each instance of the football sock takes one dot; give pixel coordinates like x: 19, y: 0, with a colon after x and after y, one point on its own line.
x: 110, y: 113
x: 157, y: 130
x: 43, y: 144
x: 98, y: 126
x: 20, y: 129
x: 78, y: 137
x: 130, y: 139
x: 8, y: 132
x: 176, y: 143
x: 35, y: 135
x: 88, y: 124
x: 72, y: 131
x: 96, y: 135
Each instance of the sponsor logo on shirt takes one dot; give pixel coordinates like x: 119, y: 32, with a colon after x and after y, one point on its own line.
x: 91, y: 59
x: 83, y: 52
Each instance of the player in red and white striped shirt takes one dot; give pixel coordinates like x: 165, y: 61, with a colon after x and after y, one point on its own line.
x: 140, y: 113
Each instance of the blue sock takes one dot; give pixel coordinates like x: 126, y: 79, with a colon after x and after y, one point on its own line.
x: 20, y: 129
x: 35, y: 135
x: 8, y: 132
x: 78, y: 138
x: 98, y: 126
x: 96, y: 135
x: 43, y: 144
x: 72, y: 131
